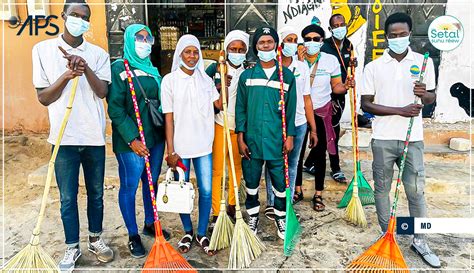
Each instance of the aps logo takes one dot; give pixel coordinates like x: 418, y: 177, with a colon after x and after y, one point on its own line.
x: 446, y: 33
x: 35, y: 23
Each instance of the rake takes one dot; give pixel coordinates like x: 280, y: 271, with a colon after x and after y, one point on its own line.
x: 359, y: 186
x: 385, y: 254
x: 293, y: 228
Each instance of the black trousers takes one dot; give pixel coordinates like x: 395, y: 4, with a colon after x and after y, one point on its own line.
x: 338, y: 106
x: 317, y: 155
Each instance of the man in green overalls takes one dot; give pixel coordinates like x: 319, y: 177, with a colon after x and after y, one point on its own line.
x: 259, y: 125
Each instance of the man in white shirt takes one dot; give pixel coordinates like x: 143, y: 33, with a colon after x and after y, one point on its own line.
x: 55, y: 63
x: 390, y: 86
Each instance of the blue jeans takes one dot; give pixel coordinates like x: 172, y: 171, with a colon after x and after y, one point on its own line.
x: 292, y: 164
x: 131, y: 169
x: 203, y: 168
x: 66, y: 168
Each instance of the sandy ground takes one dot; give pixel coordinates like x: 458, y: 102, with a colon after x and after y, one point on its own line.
x: 328, y: 241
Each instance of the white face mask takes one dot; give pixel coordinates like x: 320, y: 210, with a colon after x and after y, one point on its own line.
x: 76, y: 26
x: 143, y: 50
x: 181, y: 63
x: 339, y: 33
x: 267, y: 56
x: 399, y: 45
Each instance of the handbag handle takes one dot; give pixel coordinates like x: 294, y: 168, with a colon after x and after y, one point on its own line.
x: 170, y: 174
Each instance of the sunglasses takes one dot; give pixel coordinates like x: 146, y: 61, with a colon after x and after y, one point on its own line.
x: 145, y: 39
x: 314, y: 39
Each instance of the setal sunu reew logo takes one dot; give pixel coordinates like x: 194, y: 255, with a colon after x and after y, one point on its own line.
x: 446, y: 33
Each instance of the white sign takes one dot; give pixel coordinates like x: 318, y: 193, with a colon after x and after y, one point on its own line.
x: 446, y: 33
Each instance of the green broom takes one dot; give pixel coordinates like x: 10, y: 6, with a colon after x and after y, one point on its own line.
x: 293, y: 228
x: 245, y: 246
x: 364, y: 190
x: 224, y: 228
x: 33, y: 258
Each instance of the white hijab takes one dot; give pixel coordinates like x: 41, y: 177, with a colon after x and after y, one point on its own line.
x: 204, y: 84
x: 236, y: 35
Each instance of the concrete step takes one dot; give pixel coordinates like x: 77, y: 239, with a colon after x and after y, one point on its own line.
x: 441, y: 178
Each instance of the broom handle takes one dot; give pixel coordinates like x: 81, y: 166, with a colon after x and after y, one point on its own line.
x: 223, y: 70
x: 356, y: 122
x: 142, y: 138
x: 355, y: 189
x: 283, y: 114
x: 49, y: 177
x: 405, y: 147
x: 238, y: 214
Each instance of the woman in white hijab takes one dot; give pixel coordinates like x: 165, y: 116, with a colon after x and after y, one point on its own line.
x: 236, y: 45
x: 188, y: 98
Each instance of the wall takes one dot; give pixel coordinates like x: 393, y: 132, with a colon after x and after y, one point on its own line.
x: 22, y: 109
x: 456, y: 67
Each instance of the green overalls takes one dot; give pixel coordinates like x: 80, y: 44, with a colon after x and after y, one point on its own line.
x: 259, y: 118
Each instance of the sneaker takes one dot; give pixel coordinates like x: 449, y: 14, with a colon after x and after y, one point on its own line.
x: 149, y: 230
x: 69, y: 260
x: 310, y: 170
x: 281, y: 225
x: 270, y: 213
x: 136, y: 247
x: 253, y: 223
x: 420, y: 247
x: 212, y: 224
x: 103, y: 253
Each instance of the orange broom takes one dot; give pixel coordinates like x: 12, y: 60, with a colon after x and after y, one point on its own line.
x: 385, y: 255
x: 162, y: 256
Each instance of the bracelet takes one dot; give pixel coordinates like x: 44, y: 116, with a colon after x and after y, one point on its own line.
x: 314, y: 133
x: 173, y: 153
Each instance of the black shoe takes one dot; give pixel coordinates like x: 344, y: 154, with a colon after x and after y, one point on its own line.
x: 149, y: 230
x: 310, y: 170
x: 136, y: 247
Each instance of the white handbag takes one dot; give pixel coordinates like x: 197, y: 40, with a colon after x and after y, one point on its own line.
x: 175, y: 196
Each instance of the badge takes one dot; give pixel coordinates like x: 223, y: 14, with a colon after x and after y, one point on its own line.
x: 165, y: 198
x: 414, y: 71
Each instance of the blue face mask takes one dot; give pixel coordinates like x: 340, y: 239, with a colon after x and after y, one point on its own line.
x: 143, y: 50
x: 266, y: 56
x: 339, y: 33
x: 399, y: 45
x: 236, y: 58
x: 289, y: 49
x: 313, y: 47
x: 76, y: 26
x: 181, y: 63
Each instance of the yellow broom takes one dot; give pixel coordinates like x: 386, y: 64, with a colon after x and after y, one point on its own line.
x: 224, y: 228
x: 33, y: 258
x: 354, y: 211
x: 245, y: 246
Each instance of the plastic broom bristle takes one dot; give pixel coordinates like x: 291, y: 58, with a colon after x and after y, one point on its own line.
x: 383, y: 256
x: 163, y: 257
x: 245, y: 246
x: 223, y: 231
x: 31, y: 258
x: 365, y: 192
x: 293, y: 228
x: 355, y: 212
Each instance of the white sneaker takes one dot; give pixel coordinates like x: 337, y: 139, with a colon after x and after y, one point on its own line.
x: 420, y: 247
x: 103, y: 253
x: 69, y: 260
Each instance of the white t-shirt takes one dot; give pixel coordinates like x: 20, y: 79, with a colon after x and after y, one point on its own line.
x: 301, y: 72
x: 193, y: 112
x: 392, y: 82
x: 235, y: 73
x: 328, y: 68
x: 269, y: 71
x: 86, y: 125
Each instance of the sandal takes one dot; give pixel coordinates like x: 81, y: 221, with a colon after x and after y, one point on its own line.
x: 204, y: 243
x: 298, y: 196
x: 339, y: 177
x: 184, y: 245
x: 317, y: 202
